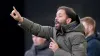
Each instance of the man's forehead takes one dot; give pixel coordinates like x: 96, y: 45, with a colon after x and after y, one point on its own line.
x: 35, y: 36
x: 61, y: 11
x: 85, y: 24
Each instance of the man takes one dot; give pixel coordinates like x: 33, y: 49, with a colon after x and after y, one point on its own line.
x: 40, y: 47
x: 67, y: 35
x: 92, y: 37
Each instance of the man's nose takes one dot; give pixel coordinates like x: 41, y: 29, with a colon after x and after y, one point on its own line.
x: 56, y: 18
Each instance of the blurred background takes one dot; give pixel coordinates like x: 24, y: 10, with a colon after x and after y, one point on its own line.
x: 16, y: 41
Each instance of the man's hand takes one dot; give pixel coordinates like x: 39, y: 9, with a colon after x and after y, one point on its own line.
x: 53, y: 45
x: 16, y: 15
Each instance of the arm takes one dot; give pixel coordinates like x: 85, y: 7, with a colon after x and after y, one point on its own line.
x: 36, y: 29
x: 57, y: 51
x: 61, y: 52
x: 78, y: 47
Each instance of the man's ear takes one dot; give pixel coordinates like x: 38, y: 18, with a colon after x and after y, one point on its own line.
x: 90, y: 27
x: 68, y: 20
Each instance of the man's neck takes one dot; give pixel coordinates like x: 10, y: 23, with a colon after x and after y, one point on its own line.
x: 90, y: 33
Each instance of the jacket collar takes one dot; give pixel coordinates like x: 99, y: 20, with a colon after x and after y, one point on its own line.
x: 96, y: 35
x: 74, y: 26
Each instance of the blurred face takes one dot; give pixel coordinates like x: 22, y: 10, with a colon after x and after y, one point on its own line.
x: 86, y: 26
x: 60, y: 18
x: 38, y: 40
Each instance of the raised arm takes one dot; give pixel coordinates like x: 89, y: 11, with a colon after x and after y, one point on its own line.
x: 29, y: 26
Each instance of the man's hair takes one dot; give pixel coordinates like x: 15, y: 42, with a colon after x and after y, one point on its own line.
x: 89, y: 21
x: 70, y: 12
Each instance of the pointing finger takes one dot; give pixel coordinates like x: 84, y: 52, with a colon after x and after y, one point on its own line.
x: 14, y: 8
x: 53, y: 40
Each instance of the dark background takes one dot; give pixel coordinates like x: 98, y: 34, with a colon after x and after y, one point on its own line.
x: 15, y: 41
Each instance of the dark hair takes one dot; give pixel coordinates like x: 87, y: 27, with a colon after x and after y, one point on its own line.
x: 70, y: 12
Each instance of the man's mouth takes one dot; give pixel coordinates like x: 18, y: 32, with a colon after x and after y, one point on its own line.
x: 57, y: 23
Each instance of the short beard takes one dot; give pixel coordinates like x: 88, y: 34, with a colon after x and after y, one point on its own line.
x: 60, y: 24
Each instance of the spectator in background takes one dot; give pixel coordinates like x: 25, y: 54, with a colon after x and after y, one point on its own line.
x: 92, y: 37
x: 40, y: 47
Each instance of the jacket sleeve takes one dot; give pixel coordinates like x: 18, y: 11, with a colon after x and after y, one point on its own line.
x: 36, y: 29
x: 61, y: 52
x: 78, y: 47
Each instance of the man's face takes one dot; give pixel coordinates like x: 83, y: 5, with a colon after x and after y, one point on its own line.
x: 60, y: 18
x: 86, y: 26
x: 38, y: 40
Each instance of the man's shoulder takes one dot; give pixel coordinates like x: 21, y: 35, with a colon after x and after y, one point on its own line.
x: 78, y: 36
x: 75, y: 34
x: 94, y: 41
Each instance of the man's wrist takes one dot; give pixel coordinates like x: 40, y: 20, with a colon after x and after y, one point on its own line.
x: 21, y: 19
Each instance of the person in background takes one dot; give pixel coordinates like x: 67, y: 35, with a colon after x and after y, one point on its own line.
x: 40, y: 47
x: 92, y: 36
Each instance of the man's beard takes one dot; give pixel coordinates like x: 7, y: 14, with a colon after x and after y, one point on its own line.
x: 58, y: 24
